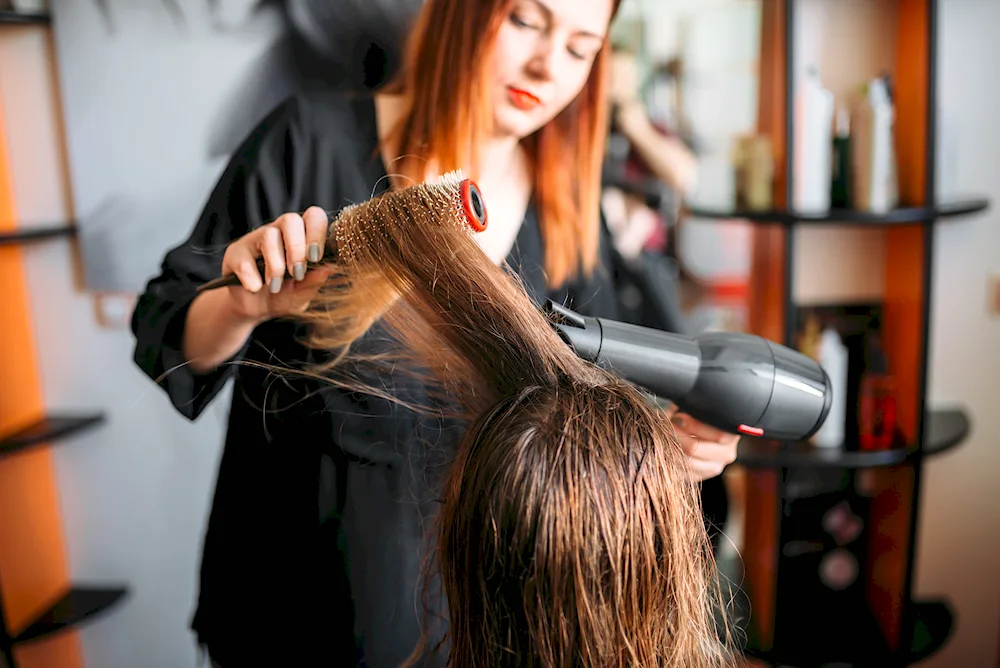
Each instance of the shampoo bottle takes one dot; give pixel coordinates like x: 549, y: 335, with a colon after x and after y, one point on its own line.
x: 833, y: 357
x: 873, y: 150
x: 813, y: 155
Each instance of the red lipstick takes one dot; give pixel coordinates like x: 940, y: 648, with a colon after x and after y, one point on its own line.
x: 522, y: 99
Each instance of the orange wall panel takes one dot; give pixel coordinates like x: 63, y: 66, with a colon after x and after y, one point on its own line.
x: 33, y: 564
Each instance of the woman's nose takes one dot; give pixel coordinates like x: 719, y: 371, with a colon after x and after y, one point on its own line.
x: 541, y: 64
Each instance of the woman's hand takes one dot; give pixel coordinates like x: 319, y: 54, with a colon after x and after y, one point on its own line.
x: 709, y: 450
x: 286, y: 245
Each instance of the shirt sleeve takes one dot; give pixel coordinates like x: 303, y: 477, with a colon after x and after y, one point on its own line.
x: 263, y: 179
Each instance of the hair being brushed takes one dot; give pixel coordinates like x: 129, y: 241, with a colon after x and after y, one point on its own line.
x: 570, y: 532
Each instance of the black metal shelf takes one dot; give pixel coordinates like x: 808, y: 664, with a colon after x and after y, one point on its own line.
x: 859, y: 642
x: 49, y: 428
x: 37, y: 234
x: 847, y: 217
x: 944, y: 430
x: 856, y: 640
x: 25, y: 18
x: 72, y: 608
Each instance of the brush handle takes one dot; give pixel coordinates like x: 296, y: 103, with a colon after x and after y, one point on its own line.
x: 228, y: 279
x: 233, y: 279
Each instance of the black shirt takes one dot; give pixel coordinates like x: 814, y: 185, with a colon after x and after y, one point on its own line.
x: 324, y: 499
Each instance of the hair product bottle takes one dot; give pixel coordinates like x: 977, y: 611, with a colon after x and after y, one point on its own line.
x: 833, y: 357
x: 877, y: 402
x: 840, y: 185
x: 813, y: 145
x: 874, y: 157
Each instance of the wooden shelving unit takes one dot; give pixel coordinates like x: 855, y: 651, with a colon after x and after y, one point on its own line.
x: 20, y: 237
x: 24, y: 18
x: 40, y: 604
x: 945, y: 430
x: 77, y: 603
x: 792, y: 620
x: 48, y: 430
x: 846, y: 217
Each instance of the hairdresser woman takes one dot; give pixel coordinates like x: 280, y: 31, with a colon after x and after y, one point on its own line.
x: 324, y: 499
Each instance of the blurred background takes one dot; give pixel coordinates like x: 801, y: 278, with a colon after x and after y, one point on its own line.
x: 848, y: 161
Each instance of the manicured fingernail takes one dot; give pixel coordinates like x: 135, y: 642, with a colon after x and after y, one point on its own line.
x: 299, y: 271
x: 276, y: 285
x: 314, y: 255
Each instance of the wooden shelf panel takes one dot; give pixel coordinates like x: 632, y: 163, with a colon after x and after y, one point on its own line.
x: 48, y: 429
x: 39, y: 234
x: 944, y: 430
x: 75, y: 606
x: 24, y: 18
x: 847, y: 217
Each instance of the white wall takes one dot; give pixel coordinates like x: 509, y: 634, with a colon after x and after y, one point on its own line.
x: 203, y: 84
x: 959, y: 542
x: 134, y: 493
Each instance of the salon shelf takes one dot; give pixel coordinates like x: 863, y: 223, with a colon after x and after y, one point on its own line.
x: 49, y: 428
x: 944, y: 430
x: 24, y: 18
x: 72, y: 608
x: 36, y: 234
x: 847, y: 217
x: 862, y: 643
x: 857, y: 641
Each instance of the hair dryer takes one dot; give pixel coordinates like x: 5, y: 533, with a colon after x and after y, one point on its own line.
x: 736, y: 382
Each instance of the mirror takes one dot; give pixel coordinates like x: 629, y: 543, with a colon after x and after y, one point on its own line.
x: 697, y: 69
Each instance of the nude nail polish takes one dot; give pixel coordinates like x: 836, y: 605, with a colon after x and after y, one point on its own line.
x: 314, y: 255
x: 299, y: 271
x: 276, y: 285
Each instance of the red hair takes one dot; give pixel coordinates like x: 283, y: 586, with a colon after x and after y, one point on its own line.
x: 449, y: 112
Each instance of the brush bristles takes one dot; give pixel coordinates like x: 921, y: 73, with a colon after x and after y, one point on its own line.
x: 436, y: 201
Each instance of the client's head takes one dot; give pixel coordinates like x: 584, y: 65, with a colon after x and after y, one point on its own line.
x: 571, y: 537
x: 570, y: 532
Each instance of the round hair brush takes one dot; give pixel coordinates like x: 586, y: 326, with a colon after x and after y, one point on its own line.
x: 450, y: 193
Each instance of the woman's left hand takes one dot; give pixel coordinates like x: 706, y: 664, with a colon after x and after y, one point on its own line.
x: 709, y: 450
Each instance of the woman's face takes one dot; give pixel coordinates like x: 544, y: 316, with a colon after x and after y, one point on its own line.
x: 543, y: 57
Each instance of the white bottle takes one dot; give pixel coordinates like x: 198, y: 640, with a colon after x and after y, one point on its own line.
x: 813, y: 146
x: 833, y: 358
x: 874, y: 155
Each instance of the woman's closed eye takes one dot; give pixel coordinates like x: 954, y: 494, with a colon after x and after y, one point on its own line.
x: 522, y: 22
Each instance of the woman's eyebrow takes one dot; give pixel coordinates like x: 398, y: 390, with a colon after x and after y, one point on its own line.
x: 549, y: 13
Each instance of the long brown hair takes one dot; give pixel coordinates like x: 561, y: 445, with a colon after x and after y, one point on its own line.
x: 444, y: 79
x: 570, y: 532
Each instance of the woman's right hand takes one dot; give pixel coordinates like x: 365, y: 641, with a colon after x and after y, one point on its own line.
x: 286, y: 245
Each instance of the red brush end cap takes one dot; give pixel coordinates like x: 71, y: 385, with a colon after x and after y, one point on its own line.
x: 474, y: 206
